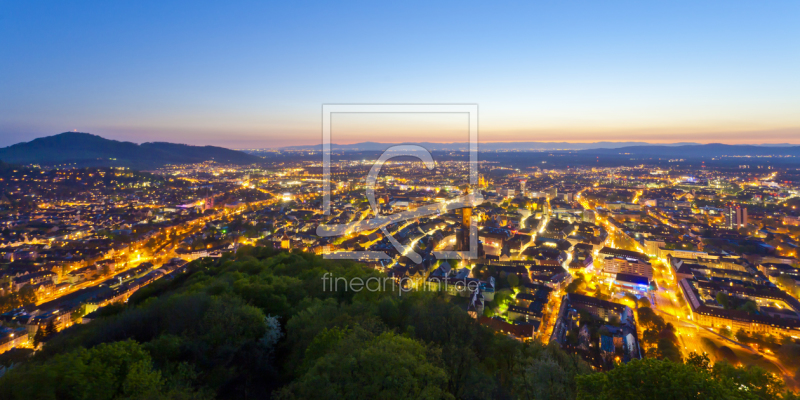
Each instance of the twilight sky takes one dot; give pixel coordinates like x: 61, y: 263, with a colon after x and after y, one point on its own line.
x: 255, y: 74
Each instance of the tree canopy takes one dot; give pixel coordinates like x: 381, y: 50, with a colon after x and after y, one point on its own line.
x: 264, y: 325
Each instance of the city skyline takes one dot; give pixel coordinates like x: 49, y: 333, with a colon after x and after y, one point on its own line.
x: 400, y: 200
x: 256, y: 75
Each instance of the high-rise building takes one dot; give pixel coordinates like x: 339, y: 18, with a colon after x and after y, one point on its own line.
x: 466, y: 216
x: 463, y: 233
x: 522, y: 184
x: 736, y: 217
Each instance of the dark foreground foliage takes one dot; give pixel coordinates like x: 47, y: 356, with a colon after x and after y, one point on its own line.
x: 261, y: 325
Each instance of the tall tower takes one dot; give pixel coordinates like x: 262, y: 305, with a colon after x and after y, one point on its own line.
x: 466, y: 216
x: 463, y: 234
x: 286, y: 242
x: 736, y: 217
x: 522, y: 184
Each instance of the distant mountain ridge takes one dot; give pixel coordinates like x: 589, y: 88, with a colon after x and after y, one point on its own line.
x: 703, y: 150
x: 84, y: 149
x: 608, y: 147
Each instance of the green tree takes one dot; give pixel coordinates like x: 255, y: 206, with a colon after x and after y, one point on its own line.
x: 548, y: 373
x: 648, y: 319
x: 38, y: 337
x: 699, y: 361
x: 578, y: 284
x: 116, y: 370
x: 650, y: 336
x: 513, y: 280
x: 723, y: 299
x: 749, y: 306
x: 324, y: 343
x: 50, y: 329
x: 386, y: 367
x: 651, y: 379
x: 27, y: 295
x: 742, y: 336
x: 725, y: 331
x: 668, y: 350
x: 752, y: 380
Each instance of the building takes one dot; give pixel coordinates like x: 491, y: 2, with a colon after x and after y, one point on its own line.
x: 568, y: 322
x: 611, y: 253
x: 607, y: 347
x: 632, y: 283
x: 12, y: 338
x: 704, y: 312
x: 629, y: 266
x: 600, y: 308
x: 286, y: 242
x: 736, y: 217
x: 36, y: 279
x: 463, y: 233
x: 506, y: 192
x: 773, y: 271
x: 680, y: 253
x: 653, y: 246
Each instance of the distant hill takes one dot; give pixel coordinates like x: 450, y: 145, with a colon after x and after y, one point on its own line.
x: 84, y: 149
x: 702, y: 150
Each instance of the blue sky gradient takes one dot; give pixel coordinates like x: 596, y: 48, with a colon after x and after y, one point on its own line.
x: 255, y: 74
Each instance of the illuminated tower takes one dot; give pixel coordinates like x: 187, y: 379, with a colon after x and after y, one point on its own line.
x: 522, y: 187
x: 463, y: 234
x: 286, y: 242
x: 482, y: 182
x: 466, y: 216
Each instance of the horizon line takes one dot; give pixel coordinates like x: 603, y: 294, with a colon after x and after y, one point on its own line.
x: 537, y: 141
x: 633, y: 143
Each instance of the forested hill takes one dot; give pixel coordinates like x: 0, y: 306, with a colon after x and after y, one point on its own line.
x: 262, y: 326
x: 84, y: 150
x: 712, y: 150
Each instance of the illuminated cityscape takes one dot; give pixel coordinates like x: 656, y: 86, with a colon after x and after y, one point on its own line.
x: 606, y: 262
x: 415, y: 200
